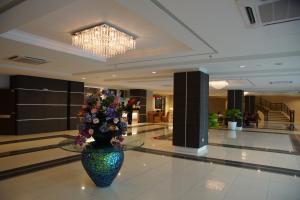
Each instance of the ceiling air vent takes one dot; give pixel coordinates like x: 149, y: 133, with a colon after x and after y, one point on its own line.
x: 281, y: 82
x: 28, y: 60
x: 267, y: 12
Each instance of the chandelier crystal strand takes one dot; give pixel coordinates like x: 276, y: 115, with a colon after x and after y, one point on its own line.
x: 104, y: 40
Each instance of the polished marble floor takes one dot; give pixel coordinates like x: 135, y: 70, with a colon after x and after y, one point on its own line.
x: 158, y: 175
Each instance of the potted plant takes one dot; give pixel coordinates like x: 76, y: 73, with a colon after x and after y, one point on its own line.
x: 232, y: 116
x: 213, y: 120
x: 101, y: 118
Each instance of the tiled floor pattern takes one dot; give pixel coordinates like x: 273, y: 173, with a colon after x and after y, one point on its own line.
x: 148, y: 176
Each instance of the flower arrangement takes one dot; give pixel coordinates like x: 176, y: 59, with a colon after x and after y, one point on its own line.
x: 101, y: 118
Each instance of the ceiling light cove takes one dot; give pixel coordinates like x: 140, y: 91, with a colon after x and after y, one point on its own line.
x: 218, y: 84
x: 104, y: 40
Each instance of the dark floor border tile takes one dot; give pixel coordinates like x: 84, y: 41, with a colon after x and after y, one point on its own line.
x: 47, y: 147
x: 268, y: 132
x: 69, y: 136
x: 168, y: 137
x: 255, y: 148
x: 146, y: 131
x: 35, y: 138
x: 150, y: 124
x: 30, y: 150
x: 38, y: 166
x: 266, y: 168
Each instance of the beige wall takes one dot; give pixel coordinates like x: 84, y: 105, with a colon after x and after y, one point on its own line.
x: 217, y: 104
x: 293, y: 102
x: 169, y: 103
x: 149, y: 102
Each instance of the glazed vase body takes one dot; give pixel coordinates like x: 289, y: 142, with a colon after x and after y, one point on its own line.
x: 102, y: 161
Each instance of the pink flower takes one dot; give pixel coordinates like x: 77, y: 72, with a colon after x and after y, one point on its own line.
x: 94, y: 110
x: 91, y: 131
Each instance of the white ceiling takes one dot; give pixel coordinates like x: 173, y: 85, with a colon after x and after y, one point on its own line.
x: 173, y: 35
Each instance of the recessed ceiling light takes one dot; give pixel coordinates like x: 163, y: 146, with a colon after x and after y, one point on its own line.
x: 242, y: 66
x: 153, y: 72
x: 245, y: 93
x: 83, y: 78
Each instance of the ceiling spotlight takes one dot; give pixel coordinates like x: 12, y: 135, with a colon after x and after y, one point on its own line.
x: 245, y: 93
x: 83, y: 78
x: 153, y: 72
x: 242, y: 66
x: 218, y: 84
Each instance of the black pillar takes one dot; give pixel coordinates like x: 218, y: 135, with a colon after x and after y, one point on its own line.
x: 249, y: 104
x: 235, y: 101
x: 190, y: 122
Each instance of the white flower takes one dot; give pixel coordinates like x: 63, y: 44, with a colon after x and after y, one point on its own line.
x: 116, y: 120
x: 95, y: 120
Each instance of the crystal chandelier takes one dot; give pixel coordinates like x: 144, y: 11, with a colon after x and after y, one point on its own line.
x: 218, y: 84
x: 104, y: 40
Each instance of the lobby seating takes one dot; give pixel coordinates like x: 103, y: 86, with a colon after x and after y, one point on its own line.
x: 156, y: 117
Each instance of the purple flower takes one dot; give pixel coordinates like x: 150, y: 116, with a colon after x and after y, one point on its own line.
x: 106, y: 92
x: 80, y: 140
x: 88, y: 118
x: 104, y: 128
x: 111, y: 113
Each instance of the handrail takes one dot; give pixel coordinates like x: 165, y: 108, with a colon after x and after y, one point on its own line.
x: 267, y: 105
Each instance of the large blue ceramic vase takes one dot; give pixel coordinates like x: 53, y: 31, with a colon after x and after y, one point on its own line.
x: 102, y: 161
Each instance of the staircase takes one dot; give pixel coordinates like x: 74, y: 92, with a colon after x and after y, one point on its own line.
x: 277, y: 112
x: 277, y: 116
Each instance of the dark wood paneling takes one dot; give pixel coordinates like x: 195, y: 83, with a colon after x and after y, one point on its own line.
x: 142, y: 118
x: 7, y: 111
x: 76, y: 98
x: 76, y: 86
x: 179, y: 109
x: 41, y: 111
x: 40, y: 83
x: 74, y: 110
x: 138, y: 93
x: 41, y: 126
x: 41, y: 97
x: 74, y: 122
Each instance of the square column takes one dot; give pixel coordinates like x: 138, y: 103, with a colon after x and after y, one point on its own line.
x: 190, y: 122
x: 235, y: 100
x: 250, y: 104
